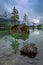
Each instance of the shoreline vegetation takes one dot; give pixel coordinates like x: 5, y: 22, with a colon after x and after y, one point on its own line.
x: 40, y: 27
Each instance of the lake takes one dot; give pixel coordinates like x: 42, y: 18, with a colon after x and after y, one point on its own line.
x: 35, y: 36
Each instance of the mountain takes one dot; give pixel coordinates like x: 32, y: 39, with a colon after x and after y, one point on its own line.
x: 4, y: 21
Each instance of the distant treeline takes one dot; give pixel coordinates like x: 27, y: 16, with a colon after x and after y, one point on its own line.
x: 40, y: 26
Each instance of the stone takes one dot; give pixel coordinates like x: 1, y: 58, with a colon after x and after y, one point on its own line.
x: 19, y: 29
x: 29, y: 50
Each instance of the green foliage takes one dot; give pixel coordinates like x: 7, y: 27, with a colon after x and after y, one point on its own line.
x: 40, y: 27
x: 25, y: 18
x: 12, y: 18
x: 15, y: 45
x: 15, y: 15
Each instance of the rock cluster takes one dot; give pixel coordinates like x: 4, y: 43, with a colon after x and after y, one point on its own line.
x: 29, y: 50
x: 19, y: 29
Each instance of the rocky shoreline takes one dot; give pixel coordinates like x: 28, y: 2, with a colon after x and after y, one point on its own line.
x: 7, y: 57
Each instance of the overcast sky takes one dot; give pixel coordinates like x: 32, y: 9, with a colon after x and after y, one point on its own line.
x: 33, y: 8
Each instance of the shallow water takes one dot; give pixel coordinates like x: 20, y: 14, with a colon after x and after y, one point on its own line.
x: 35, y: 36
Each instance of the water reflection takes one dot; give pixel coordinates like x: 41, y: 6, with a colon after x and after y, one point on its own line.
x: 36, y: 37
x: 15, y: 46
x: 22, y: 36
x: 36, y: 32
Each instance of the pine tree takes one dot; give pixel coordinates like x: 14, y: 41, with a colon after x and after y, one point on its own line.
x: 25, y: 18
x: 15, y: 15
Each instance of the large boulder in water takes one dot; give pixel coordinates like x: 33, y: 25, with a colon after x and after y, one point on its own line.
x: 29, y: 50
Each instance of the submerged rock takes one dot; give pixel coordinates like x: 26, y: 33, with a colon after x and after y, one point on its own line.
x: 29, y: 50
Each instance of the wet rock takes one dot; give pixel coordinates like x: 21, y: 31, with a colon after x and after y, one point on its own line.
x: 29, y: 50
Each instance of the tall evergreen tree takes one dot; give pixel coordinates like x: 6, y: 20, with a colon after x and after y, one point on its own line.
x: 15, y: 15
x: 25, y: 18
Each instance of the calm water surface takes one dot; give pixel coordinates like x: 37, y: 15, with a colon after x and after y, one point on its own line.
x: 35, y: 36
